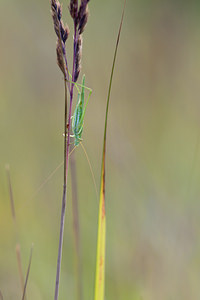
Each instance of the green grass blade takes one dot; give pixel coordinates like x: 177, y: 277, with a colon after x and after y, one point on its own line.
x: 27, y: 273
x: 101, y: 238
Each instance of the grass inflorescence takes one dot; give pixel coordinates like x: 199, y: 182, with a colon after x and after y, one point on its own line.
x: 79, y: 14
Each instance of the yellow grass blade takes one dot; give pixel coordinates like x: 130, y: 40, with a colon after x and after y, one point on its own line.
x: 101, y: 242
x: 101, y: 239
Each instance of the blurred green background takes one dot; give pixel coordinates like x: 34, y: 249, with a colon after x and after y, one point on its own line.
x: 153, y: 151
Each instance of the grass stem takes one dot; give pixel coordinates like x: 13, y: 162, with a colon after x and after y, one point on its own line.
x: 67, y: 128
x: 76, y: 227
x: 64, y: 198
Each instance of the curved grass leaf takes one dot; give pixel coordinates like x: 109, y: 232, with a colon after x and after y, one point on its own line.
x: 101, y: 238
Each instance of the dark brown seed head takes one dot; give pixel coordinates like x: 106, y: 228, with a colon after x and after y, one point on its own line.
x: 83, y: 21
x: 73, y: 8
x: 82, y: 15
x: 64, y: 33
x: 61, y: 30
x: 60, y: 61
x: 78, y: 54
x: 54, y: 4
x: 59, y: 12
x: 82, y: 8
x: 55, y: 17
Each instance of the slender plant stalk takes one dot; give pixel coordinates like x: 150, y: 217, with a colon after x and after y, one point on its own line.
x: 12, y: 204
x: 57, y: 26
x: 64, y: 198
x: 76, y: 227
x: 17, y: 248
x: 67, y: 130
x: 27, y: 274
x: 19, y: 263
x: 79, y: 15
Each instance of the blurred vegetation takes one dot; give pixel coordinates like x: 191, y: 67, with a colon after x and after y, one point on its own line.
x: 153, y: 153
